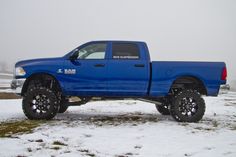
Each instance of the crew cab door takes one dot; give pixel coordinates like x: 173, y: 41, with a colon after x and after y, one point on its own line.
x: 128, y: 70
x: 90, y: 70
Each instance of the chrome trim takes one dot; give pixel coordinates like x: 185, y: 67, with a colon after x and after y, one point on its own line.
x: 17, y: 85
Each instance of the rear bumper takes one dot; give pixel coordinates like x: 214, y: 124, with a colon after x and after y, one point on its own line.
x: 17, y: 85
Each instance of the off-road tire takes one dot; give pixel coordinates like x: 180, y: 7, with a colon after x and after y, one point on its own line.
x: 40, y: 103
x: 164, y: 110
x: 63, y: 106
x: 63, y: 109
x: 187, y: 106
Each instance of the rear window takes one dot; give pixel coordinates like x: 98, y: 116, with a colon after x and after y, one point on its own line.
x: 125, y: 51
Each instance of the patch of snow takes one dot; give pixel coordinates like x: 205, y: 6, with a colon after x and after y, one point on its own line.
x: 5, y: 83
x: 11, y: 110
x: 6, y: 74
x: 126, y: 128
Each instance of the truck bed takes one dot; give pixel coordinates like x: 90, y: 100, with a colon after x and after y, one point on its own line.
x: 164, y: 73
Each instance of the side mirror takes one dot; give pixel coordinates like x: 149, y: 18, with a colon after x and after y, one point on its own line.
x: 73, y: 57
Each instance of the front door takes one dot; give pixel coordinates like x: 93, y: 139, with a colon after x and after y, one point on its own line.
x: 87, y: 73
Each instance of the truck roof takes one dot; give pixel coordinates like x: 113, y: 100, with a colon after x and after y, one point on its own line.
x: 126, y: 41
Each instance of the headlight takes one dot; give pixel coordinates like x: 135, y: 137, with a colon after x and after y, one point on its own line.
x: 20, y: 71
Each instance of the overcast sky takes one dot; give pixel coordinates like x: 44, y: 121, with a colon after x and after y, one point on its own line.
x: 200, y: 30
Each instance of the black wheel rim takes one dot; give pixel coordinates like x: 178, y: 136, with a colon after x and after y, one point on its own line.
x: 188, y: 106
x: 40, y: 104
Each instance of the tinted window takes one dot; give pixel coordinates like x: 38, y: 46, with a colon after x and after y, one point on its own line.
x: 125, y: 51
x: 92, y: 51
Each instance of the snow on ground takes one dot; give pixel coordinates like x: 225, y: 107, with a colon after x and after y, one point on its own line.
x: 11, y: 110
x: 6, y: 76
x: 126, y: 128
x: 4, y: 83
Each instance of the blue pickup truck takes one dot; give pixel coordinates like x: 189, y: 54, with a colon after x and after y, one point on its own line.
x: 116, y: 70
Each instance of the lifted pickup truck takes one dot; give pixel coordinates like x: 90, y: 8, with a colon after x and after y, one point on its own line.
x: 116, y: 70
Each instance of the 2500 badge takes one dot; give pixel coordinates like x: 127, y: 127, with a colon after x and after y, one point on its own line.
x: 67, y: 71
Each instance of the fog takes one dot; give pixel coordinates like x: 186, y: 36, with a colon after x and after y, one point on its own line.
x: 201, y: 30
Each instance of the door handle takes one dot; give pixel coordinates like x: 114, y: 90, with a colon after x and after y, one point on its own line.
x: 139, y: 65
x: 99, y: 65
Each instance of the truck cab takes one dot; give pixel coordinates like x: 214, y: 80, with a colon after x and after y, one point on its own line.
x: 108, y: 69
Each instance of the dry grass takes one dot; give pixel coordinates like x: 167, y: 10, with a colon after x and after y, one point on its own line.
x: 59, y: 143
x: 233, y: 127
x: 7, y: 129
x: 9, y: 96
x: 56, y: 148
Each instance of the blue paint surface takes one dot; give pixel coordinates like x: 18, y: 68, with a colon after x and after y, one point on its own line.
x: 121, y: 77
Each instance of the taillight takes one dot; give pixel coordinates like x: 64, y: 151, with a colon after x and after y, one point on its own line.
x: 224, y: 74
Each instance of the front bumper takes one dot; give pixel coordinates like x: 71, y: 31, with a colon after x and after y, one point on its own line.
x: 17, y: 85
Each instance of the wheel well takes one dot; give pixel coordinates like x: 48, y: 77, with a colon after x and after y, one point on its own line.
x: 189, y: 82
x: 41, y: 80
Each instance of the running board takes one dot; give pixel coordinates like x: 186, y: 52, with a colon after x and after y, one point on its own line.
x: 78, y: 102
x: 150, y: 101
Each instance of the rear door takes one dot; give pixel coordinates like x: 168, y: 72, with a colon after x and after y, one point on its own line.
x: 127, y: 70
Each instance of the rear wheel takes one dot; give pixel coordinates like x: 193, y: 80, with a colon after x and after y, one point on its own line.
x: 40, y: 103
x: 164, y: 108
x: 187, y: 106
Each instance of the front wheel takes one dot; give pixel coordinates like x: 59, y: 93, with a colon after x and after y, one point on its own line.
x: 40, y: 103
x: 63, y: 105
x: 187, y: 106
